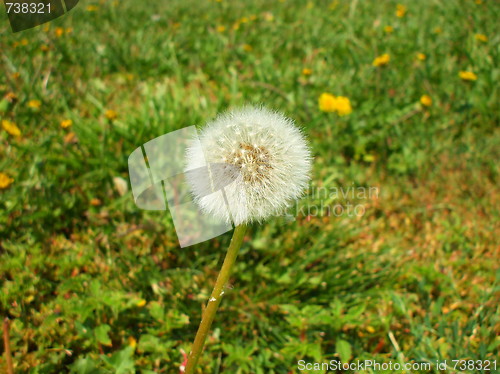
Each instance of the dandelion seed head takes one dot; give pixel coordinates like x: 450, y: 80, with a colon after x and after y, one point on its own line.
x: 262, y: 164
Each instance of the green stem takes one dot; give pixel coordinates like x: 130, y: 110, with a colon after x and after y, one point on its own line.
x: 215, y: 298
x: 6, y: 343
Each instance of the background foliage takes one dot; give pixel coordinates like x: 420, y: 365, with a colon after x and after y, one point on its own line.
x: 94, y: 285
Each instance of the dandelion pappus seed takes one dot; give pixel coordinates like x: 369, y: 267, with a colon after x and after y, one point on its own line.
x: 268, y: 162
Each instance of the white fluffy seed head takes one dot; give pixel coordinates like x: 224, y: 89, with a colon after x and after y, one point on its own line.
x: 259, y: 162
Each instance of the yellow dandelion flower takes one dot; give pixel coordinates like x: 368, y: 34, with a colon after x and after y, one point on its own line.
x: 16, y: 75
x: 221, y: 28
x: 92, y: 8
x: 111, y: 114
x: 236, y: 26
x: 5, y: 181
x: 132, y: 342
x: 44, y: 48
x: 11, y: 128
x: 401, y: 10
x: 481, y: 37
x: 59, y: 31
x: 421, y: 57
x: 343, y: 106
x: 479, y: 2
x: 306, y: 71
x: 467, y: 76
x: 327, y: 103
x: 22, y: 42
x: 247, y: 47
x: 382, y: 60
x: 141, y: 303
x: 426, y: 100
x: 34, y: 104
x: 66, y: 123
x: 438, y: 30
x: 389, y: 29
x: 244, y: 20
x: 253, y: 17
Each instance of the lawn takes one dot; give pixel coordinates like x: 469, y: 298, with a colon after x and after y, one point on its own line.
x: 392, y: 255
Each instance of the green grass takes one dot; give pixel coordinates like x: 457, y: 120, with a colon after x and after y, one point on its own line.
x: 84, y: 272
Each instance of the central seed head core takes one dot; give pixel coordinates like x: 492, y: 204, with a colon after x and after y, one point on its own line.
x: 252, y: 161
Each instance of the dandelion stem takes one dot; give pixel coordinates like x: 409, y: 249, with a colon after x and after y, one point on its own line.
x: 215, y: 298
x: 6, y: 342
